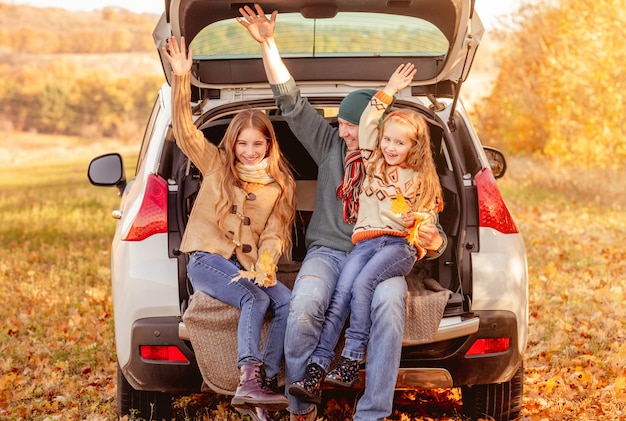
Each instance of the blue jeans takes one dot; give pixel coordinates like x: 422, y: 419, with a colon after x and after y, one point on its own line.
x: 383, y: 352
x: 369, y: 263
x: 212, y: 274
x: 311, y: 297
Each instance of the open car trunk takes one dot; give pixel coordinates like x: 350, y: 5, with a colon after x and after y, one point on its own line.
x: 438, y: 279
x: 360, y: 42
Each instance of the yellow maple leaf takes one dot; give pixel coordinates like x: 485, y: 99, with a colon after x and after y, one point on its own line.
x: 266, y: 263
x: 265, y: 273
x: 413, y: 236
x: 420, y: 219
x: 399, y: 205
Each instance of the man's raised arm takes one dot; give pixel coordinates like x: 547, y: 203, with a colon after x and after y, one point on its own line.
x: 262, y: 30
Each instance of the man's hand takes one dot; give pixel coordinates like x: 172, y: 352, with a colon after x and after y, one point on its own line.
x: 258, y: 25
x: 429, y: 237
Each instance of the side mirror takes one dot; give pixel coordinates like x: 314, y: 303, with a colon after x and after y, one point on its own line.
x: 496, y: 159
x: 107, y: 170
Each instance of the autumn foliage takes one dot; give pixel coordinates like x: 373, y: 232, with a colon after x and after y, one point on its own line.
x: 76, y: 73
x: 32, y: 30
x: 560, y: 90
x: 558, y: 100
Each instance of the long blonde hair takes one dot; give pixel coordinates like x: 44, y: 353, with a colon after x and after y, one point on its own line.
x: 420, y: 157
x: 277, y: 167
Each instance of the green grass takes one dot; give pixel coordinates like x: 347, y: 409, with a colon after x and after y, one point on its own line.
x: 57, y: 353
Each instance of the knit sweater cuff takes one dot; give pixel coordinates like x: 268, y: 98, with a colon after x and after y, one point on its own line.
x: 383, y: 97
x: 284, y: 88
x: 373, y: 233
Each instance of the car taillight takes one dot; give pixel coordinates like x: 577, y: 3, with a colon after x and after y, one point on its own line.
x: 152, y: 216
x: 492, y: 211
x: 489, y: 346
x: 162, y: 353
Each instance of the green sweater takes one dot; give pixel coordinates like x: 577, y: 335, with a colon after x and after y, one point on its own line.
x: 328, y: 150
x: 327, y: 227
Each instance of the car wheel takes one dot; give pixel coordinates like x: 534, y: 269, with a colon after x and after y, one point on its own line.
x: 502, y: 401
x: 140, y: 404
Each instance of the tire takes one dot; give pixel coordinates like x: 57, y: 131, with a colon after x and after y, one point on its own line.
x: 502, y: 401
x: 140, y: 404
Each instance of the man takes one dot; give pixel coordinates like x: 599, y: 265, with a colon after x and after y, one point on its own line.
x: 328, y: 237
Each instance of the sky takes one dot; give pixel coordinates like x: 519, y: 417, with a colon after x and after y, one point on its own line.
x: 488, y: 10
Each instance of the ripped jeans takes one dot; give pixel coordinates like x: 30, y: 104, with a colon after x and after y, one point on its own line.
x: 213, y: 274
x: 310, y: 299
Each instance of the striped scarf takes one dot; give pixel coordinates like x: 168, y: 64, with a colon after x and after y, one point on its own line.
x: 254, y: 173
x: 350, y: 188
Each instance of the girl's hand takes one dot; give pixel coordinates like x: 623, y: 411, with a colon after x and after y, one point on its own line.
x: 258, y: 25
x: 179, y: 60
x: 408, y: 219
x: 400, y: 79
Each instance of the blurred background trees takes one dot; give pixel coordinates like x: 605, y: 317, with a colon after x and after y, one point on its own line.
x: 90, y: 74
x: 560, y: 89
x: 558, y: 78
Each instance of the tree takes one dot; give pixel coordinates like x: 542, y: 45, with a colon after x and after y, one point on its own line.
x: 560, y: 89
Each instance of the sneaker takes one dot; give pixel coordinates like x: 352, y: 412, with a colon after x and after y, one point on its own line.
x: 346, y: 374
x: 309, y: 388
x: 309, y: 416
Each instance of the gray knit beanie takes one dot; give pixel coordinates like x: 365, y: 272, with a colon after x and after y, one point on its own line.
x: 354, y: 104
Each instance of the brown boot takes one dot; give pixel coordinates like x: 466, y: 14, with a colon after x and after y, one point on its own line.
x: 252, y: 391
x: 257, y: 414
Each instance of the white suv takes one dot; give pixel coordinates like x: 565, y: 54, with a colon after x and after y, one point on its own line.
x: 331, y: 48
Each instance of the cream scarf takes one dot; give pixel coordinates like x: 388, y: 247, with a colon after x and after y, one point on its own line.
x: 254, y: 173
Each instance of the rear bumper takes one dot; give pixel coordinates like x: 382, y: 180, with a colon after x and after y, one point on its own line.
x: 445, y: 364
x: 161, y: 376
x: 441, y: 364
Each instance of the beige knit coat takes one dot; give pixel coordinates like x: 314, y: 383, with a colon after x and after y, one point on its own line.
x: 252, y: 226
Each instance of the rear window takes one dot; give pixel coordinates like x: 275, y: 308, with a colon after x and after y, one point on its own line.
x: 346, y: 34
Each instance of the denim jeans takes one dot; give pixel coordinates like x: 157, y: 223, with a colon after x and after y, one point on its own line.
x: 370, y: 262
x: 311, y: 297
x: 383, y: 352
x: 212, y: 274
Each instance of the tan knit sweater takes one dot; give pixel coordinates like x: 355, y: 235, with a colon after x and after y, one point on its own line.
x: 252, y: 227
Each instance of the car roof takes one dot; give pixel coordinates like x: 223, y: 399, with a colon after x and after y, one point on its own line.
x: 440, y: 70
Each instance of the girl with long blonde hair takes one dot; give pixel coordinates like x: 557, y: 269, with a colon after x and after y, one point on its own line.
x: 275, y: 164
x: 419, y: 158
x: 239, y: 227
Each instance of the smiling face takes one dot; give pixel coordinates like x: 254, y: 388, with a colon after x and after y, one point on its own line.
x: 349, y: 133
x: 250, y: 146
x: 395, y: 144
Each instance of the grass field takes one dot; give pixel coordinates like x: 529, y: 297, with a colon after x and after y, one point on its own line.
x: 57, y: 358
